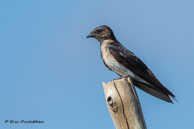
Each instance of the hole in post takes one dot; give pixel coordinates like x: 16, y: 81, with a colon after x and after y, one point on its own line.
x: 111, y: 104
x: 110, y: 101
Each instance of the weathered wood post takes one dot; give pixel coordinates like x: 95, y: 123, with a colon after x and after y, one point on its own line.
x: 123, y: 104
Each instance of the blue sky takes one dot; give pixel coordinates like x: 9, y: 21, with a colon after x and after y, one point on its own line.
x: 49, y: 71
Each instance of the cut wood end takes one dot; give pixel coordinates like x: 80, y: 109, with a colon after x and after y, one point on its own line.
x: 108, y: 83
x: 118, y: 79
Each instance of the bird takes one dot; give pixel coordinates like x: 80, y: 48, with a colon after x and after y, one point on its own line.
x: 125, y: 63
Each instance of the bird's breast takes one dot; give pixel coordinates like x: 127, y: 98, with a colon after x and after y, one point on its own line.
x: 113, y: 64
x: 116, y: 66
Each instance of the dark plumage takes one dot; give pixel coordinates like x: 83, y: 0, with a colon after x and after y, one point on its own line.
x: 122, y: 61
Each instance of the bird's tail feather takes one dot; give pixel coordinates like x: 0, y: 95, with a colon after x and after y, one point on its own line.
x: 150, y: 90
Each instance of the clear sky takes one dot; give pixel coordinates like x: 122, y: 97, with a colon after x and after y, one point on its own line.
x: 50, y: 72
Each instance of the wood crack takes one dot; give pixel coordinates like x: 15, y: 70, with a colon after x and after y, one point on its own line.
x: 123, y: 108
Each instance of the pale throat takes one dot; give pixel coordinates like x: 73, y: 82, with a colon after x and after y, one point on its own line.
x: 101, y: 40
x: 106, y: 41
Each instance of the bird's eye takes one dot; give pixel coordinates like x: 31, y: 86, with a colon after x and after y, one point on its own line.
x: 99, y: 30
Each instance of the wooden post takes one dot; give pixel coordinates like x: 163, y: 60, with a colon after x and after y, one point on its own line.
x: 123, y: 104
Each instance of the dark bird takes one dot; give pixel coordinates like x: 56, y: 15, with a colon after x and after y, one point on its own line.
x: 125, y: 63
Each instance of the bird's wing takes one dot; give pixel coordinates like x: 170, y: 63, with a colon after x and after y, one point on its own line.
x: 132, y: 62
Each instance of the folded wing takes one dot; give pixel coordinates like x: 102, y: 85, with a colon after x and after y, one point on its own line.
x: 132, y: 62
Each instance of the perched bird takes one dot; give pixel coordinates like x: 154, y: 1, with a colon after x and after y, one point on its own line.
x: 125, y: 63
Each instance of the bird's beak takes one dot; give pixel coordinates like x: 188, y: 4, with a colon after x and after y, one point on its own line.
x: 90, y: 35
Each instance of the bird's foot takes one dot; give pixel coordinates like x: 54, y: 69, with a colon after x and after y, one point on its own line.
x: 125, y: 76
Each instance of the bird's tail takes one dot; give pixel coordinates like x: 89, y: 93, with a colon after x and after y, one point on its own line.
x: 155, y: 92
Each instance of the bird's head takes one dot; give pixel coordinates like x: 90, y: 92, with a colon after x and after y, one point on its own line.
x: 102, y: 33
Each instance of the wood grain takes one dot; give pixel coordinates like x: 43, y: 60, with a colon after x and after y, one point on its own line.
x: 123, y: 104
